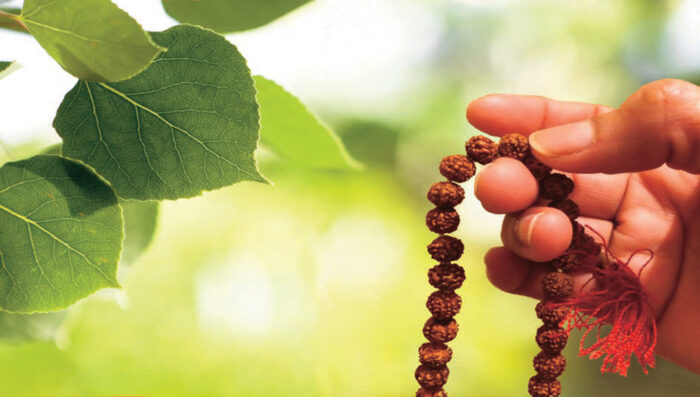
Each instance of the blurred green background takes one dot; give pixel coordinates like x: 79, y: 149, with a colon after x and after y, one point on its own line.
x: 316, y: 286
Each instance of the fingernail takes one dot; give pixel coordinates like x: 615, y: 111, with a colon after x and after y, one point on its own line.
x: 563, y: 140
x: 524, y: 228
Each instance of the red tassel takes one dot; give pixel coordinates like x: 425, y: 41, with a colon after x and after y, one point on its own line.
x: 620, y: 300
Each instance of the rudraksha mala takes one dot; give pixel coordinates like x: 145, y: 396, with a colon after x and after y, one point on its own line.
x: 447, y: 276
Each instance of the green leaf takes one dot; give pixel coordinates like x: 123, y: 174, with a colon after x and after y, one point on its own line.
x: 230, y: 15
x: 140, y: 221
x: 60, y: 234
x: 91, y: 39
x: 289, y: 129
x: 16, y: 327
x: 7, y: 68
x: 188, y: 123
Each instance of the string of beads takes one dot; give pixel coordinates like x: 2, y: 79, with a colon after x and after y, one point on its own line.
x: 448, y: 276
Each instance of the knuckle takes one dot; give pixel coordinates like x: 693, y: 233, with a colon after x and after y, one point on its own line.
x: 677, y: 120
x: 669, y: 93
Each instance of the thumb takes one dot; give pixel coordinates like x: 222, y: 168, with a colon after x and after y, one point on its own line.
x: 658, y: 124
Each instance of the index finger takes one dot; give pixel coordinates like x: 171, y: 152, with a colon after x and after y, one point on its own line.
x: 500, y: 114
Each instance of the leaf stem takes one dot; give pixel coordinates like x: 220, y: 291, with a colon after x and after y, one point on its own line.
x: 12, y: 21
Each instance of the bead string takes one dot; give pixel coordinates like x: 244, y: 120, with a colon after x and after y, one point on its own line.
x: 447, y: 276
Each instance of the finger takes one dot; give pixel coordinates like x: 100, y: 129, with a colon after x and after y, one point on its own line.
x: 505, y: 186
x: 511, y: 273
x: 538, y: 233
x: 599, y: 195
x: 500, y: 114
x: 658, y: 124
x: 516, y: 275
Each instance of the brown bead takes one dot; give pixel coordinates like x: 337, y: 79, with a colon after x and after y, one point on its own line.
x: 434, y: 354
x: 536, y: 167
x: 541, y: 387
x: 551, y: 339
x: 567, y: 206
x: 442, y: 220
x: 556, y: 187
x: 457, y: 168
x: 514, y: 146
x: 445, y: 194
x: 446, y: 276
x: 557, y: 285
x: 481, y: 149
x: 551, y: 314
x: 567, y: 261
x: 431, y: 377
x: 440, y: 331
x: 444, y: 304
x: 431, y: 392
x: 446, y: 249
x: 549, y: 366
x: 583, y: 242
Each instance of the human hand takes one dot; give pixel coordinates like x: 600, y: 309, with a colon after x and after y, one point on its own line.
x: 637, y: 184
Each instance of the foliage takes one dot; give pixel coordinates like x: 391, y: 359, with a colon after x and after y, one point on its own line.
x: 60, y: 234
x: 229, y: 15
x: 91, y: 39
x: 154, y: 116
x: 187, y: 123
x: 290, y: 130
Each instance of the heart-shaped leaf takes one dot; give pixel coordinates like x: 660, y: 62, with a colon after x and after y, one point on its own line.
x: 290, y: 130
x: 227, y: 16
x: 91, y: 39
x: 60, y: 234
x: 186, y: 124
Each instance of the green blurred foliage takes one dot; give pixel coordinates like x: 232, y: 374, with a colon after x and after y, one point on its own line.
x: 316, y: 286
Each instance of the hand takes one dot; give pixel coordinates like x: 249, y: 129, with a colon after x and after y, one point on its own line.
x: 636, y: 174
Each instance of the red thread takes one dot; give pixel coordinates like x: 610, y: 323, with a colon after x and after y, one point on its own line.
x: 619, y: 300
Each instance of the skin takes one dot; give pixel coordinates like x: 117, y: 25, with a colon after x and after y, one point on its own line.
x: 637, y: 184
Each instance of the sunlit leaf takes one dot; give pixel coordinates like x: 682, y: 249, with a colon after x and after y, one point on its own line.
x: 60, y: 234
x: 140, y: 221
x: 229, y: 15
x: 91, y: 39
x: 188, y: 123
x: 289, y: 129
x: 17, y: 327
